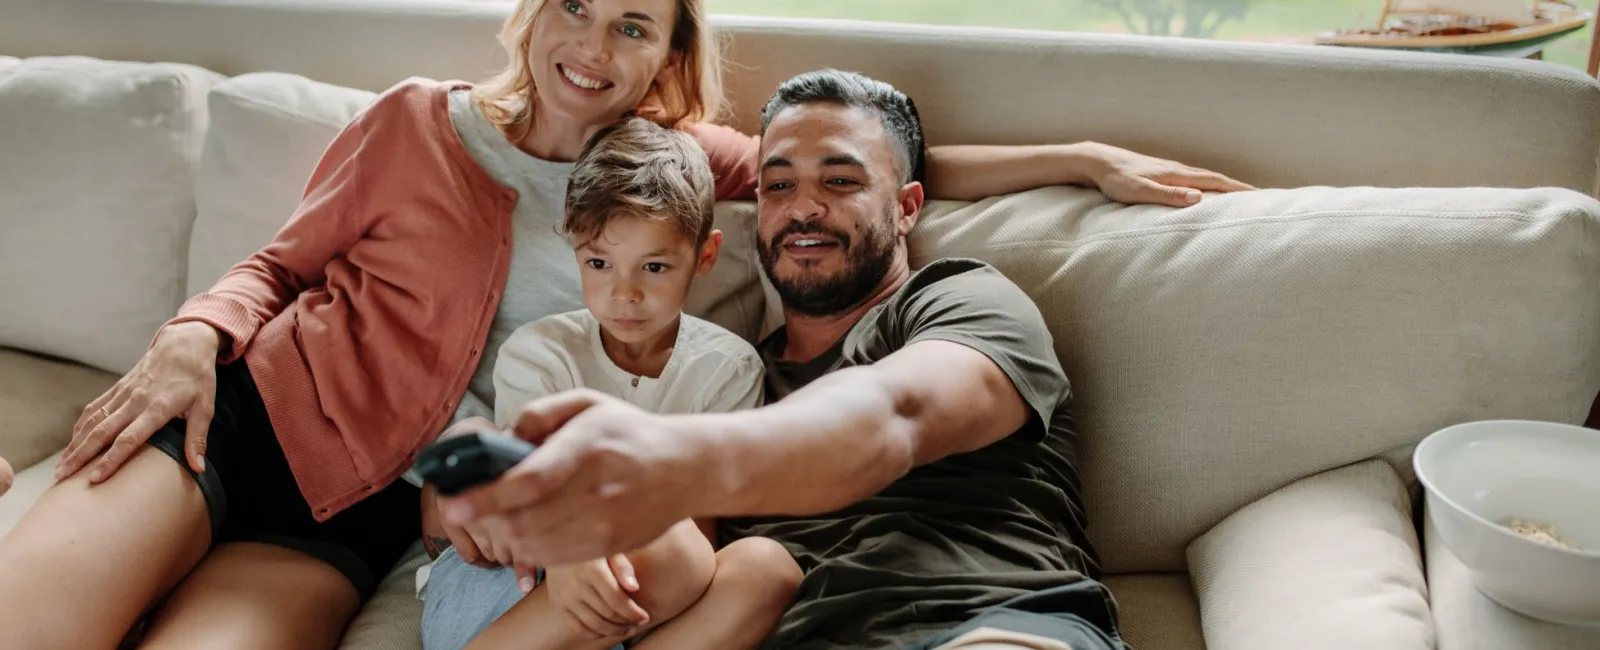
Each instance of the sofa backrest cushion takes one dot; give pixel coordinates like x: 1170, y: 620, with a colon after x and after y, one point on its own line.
x: 269, y: 129
x: 1222, y: 351
x: 1271, y: 114
x: 96, y: 202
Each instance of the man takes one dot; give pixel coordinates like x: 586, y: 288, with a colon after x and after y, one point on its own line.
x: 916, y: 454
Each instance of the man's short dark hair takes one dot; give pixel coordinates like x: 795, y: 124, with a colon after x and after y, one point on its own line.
x: 893, y: 108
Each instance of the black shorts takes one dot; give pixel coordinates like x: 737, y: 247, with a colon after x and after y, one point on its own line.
x: 1080, y: 614
x: 253, y: 497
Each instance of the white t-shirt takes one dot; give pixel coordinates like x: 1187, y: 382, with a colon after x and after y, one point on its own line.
x: 711, y: 370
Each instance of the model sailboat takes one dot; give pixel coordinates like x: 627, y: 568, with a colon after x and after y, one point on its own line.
x: 1466, y: 26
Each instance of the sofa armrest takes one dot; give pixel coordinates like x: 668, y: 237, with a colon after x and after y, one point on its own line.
x: 1467, y: 620
x: 40, y: 400
x: 1328, y: 562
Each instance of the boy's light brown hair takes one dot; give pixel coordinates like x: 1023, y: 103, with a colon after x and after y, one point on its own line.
x: 636, y: 168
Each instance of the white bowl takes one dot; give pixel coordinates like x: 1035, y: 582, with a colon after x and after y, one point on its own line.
x: 1481, y: 475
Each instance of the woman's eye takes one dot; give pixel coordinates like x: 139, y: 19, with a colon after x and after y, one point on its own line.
x: 573, y: 6
x: 656, y: 267
x: 632, y: 31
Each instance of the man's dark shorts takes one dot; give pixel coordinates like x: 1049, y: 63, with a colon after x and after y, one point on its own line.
x: 1075, y: 614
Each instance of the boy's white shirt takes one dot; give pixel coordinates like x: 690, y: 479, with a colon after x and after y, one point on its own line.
x: 711, y: 370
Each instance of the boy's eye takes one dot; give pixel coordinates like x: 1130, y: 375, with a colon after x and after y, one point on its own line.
x: 596, y: 264
x: 631, y: 30
x: 655, y: 267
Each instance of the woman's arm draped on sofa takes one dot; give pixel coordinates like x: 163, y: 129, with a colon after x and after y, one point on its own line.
x: 973, y: 172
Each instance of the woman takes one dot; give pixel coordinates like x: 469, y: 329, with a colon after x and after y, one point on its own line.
x: 240, y: 487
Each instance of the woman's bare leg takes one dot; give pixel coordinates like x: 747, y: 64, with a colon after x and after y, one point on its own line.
x: 673, y: 573
x: 754, y: 583
x: 247, y: 595
x: 86, y: 562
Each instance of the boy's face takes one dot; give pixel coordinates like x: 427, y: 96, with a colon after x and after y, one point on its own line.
x: 636, y: 275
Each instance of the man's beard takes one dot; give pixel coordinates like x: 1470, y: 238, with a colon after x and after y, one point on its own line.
x: 866, y: 264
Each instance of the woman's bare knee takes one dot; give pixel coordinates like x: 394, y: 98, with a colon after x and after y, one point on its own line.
x: 673, y: 571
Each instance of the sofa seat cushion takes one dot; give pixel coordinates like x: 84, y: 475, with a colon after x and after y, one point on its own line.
x: 31, y: 483
x: 40, y: 400
x: 1157, y: 611
x: 1467, y: 620
x: 97, y: 176
x: 392, y: 619
x: 1327, y: 563
x: 1222, y: 351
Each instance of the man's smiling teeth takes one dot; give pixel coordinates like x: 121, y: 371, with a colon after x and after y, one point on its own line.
x: 807, y: 242
x: 582, y: 81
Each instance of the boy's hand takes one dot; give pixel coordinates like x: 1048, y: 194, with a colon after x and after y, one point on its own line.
x: 472, y: 543
x: 595, y: 597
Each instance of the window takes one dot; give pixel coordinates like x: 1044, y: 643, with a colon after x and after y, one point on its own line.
x: 1292, y: 21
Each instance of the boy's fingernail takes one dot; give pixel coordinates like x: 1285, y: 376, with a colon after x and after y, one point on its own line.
x: 525, y: 583
x: 633, y: 583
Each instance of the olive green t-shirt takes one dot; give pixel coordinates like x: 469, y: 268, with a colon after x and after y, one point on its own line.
x: 955, y: 536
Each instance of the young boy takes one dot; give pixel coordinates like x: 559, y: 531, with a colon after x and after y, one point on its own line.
x: 638, y: 213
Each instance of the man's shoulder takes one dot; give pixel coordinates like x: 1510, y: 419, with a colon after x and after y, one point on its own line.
x: 961, y: 270
x: 959, y: 283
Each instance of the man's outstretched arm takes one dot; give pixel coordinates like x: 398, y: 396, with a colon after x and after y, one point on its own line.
x: 851, y: 433
x: 610, y: 477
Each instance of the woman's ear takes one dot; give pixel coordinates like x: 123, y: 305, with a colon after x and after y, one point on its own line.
x: 708, y: 253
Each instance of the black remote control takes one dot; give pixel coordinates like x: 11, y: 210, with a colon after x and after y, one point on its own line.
x: 454, y: 465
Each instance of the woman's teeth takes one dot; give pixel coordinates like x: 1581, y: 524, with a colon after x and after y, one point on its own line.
x: 582, y: 81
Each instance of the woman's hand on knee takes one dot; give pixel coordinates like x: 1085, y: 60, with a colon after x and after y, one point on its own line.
x: 176, y: 378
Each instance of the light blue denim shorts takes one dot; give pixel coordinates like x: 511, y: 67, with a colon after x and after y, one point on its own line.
x: 463, y: 600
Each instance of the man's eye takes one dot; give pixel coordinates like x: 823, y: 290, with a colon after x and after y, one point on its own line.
x: 777, y: 186
x: 841, y: 182
x: 655, y: 267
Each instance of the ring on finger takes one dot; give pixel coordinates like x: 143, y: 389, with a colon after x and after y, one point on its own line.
x: 104, y: 412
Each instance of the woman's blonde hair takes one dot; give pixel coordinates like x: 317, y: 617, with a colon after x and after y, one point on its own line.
x: 693, y: 92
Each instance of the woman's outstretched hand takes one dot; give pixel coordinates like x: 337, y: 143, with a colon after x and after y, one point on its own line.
x: 177, y: 377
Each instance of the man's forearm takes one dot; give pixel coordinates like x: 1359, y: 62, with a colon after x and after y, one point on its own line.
x: 973, y: 172
x: 838, y: 441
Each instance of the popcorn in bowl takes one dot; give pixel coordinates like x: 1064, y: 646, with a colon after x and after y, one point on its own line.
x: 1542, y: 533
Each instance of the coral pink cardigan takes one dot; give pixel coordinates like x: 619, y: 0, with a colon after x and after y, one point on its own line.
x: 364, y: 318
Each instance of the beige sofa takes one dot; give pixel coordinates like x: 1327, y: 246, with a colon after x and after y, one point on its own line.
x: 1251, y: 373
